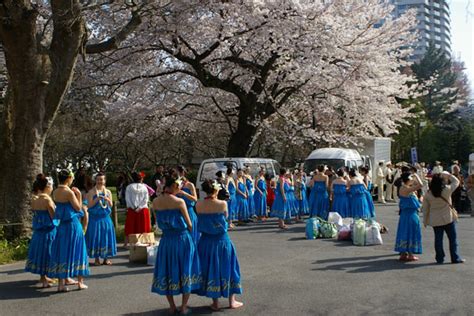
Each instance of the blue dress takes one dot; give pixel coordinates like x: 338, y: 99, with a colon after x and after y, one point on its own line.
x: 261, y: 199
x: 250, y: 198
x: 39, y: 249
x: 340, y: 201
x: 100, y: 234
x: 232, y: 203
x: 192, y: 215
x: 409, y: 229
x: 370, y: 201
x: 303, y: 204
x: 242, y: 207
x: 68, y: 251
x: 177, y: 269
x: 293, y: 205
x: 218, y: 258
x: 359, y: 204
x: 280, y: 207
x: 319, y: 200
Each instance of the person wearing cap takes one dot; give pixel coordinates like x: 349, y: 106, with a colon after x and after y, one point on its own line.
x: 389, y: 177
x: 438, y: 168
x: 138, y: 214
x: 380, y: 181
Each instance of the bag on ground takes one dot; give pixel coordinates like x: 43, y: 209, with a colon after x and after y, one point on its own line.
x: 327, y: 230
x: 359, y: 232
x: 344, y: 233
x: 335, y: 218
x: 373, y: 236
x: 312, y: 228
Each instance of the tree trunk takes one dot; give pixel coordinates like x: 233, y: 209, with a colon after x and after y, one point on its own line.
x: 38, y: 78
x: 241, y: 138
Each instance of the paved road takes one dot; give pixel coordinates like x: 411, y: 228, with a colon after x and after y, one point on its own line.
x: 283, y: 274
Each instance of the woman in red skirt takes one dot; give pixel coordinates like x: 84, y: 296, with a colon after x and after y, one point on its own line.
x: 270, y: 190
x: 138, y: 214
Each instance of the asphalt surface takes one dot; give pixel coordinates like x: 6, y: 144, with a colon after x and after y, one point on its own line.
x: 283, y: 274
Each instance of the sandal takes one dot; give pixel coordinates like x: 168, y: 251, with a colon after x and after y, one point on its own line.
x: 71, y: 282
x: 412, y: 258
x: 63, y: 290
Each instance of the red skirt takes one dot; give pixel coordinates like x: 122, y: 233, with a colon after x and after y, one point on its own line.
x: 137, y: 222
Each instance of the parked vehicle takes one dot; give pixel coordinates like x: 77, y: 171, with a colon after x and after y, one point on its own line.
x: 334, y: 157
x: 374, y: 150
x: 210, y: 167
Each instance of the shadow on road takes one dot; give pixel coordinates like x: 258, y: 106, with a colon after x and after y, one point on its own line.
x: 18, y: 290
x: 369, y: 264
x: 200, y: 310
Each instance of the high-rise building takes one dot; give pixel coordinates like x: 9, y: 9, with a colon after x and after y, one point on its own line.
x: 433, y: 24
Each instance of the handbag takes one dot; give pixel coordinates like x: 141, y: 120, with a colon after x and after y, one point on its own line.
x: 453, y: 211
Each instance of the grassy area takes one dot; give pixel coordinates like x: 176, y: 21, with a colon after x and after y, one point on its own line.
x: 12, y: 251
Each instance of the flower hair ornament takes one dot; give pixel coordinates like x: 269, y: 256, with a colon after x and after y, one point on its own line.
x: 216, y: 186
x: 71, y: 174
x: 50, y: 181
x: 179, y: 181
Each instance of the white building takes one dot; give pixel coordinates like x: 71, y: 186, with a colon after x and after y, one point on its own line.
x: 433, y: 17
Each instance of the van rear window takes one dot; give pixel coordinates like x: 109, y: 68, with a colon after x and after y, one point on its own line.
x: 209, y: 169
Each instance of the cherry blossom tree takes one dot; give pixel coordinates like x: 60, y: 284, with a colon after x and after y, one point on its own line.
x: 330, y: 69
x: 42, y: 40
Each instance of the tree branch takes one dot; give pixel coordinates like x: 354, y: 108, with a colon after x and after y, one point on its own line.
x: 114, y: 42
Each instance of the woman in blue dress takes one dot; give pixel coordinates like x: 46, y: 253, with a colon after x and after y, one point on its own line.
x: 408, y: 241
x: 280, y: 205
x: 339, y: 197
x: 358, y: 201
x: 44, y: 229
x: 177, y: 270
x: 300, y: 194
x: 290, y: 195
x: 68, y: 251
x: 231, y: 202
x: 250, y: 192
x: 260, y: 196
x: 364, y: 171
x: 217, y: 255
x: 189, y: 195
x: 319, y: 197
x: 242, y: 207
x: 100, y: 235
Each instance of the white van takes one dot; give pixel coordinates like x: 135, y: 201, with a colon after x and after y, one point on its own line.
x: 210, y: 167
x: 334, y: 157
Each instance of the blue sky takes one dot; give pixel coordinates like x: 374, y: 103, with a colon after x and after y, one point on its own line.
x: 462, y: 33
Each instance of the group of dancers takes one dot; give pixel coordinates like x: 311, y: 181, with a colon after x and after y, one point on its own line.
x: 348, y: 194
x: 68, y: 229
x: 195, y: 253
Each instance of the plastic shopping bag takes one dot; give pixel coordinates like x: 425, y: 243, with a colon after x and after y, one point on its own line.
x: 359, y: 232
x: 335, y: 218
x: 312, y: 228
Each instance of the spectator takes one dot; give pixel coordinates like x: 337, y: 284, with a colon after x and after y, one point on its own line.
x: 438, y: 168
x: 380, y: 182
x: 439, y: 214
x: 138, y: 214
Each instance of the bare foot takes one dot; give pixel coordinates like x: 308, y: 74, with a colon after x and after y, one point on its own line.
x: 214, y: 307
x: 70, y: 281
x: 52, y: 281
x: 97, y: 262
x: 63, y: 289
x: 82, y: 286
x: 235, y: 305
x: 107, y: 262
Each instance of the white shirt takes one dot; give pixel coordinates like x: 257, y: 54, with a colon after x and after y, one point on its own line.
x: 136, y: 196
